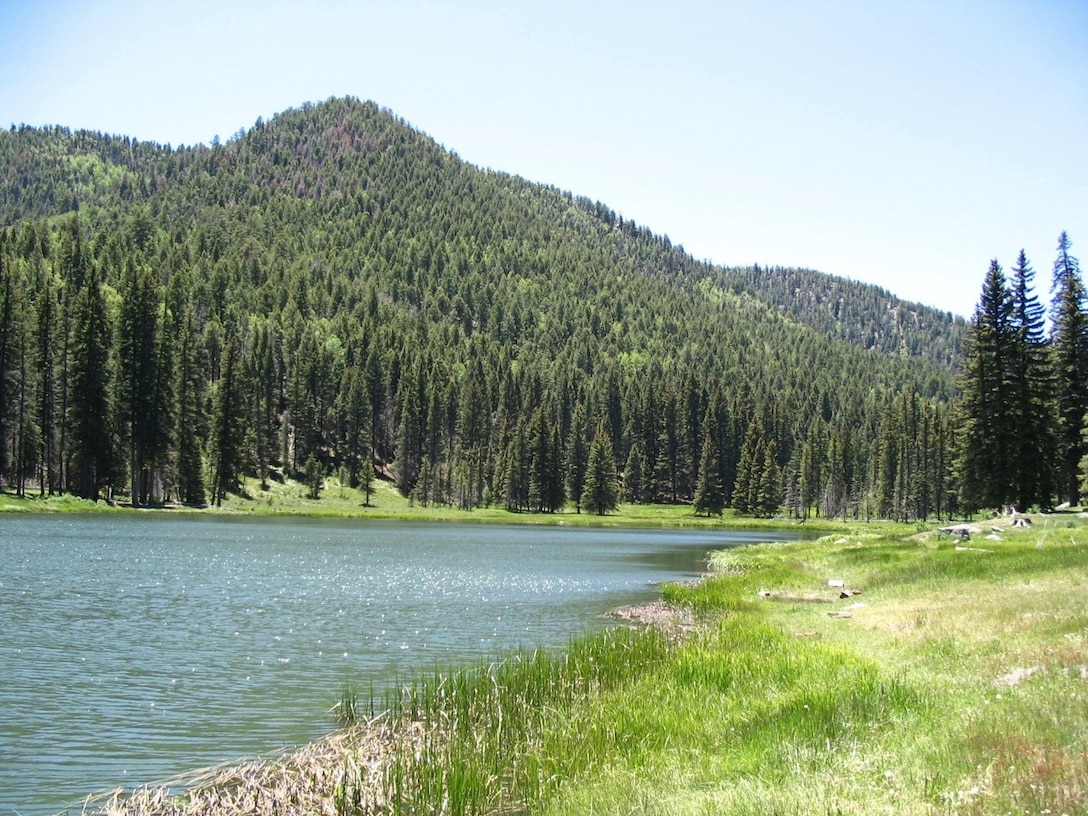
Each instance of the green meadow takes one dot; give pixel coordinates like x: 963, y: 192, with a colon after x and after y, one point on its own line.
x: 289, y: 497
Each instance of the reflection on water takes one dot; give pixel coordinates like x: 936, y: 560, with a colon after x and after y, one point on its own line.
x: 136, y: 647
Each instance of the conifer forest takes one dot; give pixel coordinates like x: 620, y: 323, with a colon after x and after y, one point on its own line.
x: 332, y: 292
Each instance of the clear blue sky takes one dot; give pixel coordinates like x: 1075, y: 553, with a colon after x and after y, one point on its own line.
x: 902, y: 143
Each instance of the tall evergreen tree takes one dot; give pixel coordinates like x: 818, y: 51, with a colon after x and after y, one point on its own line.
x: 791, y: 483
x: 473, y: 427
x: 750, y: 471
x: 46, y: 411
x: 161, y: 433
x: 837, y: 488
x: 516, y: 470
x: 354, y: 436
x: 190, y: 414
x: 632, y: 474
x: 813, y: 468
x: 411, y: 398
x: 1069, y: 341
x: 265, y: 372
x: 1031, y: 381
x: 601, y: 493
x: 137, y: 376
x: 555, y: 494
x: 709, y: 492
x: 8, y: 349
x: 227, y: 427
x: 769, y: 496
x: 90, y: 416
x: 989, y: 441
x: 25, y: 441
x: 577, y: 456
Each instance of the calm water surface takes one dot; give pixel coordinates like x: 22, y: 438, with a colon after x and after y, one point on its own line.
x: 133, y: 648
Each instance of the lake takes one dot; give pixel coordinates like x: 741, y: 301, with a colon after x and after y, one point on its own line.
x: 135, y: 647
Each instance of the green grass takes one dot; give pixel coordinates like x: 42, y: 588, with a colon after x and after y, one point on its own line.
x: 956, y: 682
x: 988, y: 643
x: 32, y: 503
x: 495, y: 735
x: 290, y: 498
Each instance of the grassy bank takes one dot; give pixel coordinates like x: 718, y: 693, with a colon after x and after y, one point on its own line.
x: 291, y: 498
x: 955, y: 682
x: 953, y: 678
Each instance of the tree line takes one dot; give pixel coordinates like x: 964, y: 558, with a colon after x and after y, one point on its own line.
x: 1025, y: 389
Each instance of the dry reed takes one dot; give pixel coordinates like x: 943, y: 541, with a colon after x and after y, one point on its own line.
x: 341, y: 773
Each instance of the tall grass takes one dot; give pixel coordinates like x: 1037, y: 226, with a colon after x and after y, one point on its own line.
x: 476, y: 739
x: 529, y: 733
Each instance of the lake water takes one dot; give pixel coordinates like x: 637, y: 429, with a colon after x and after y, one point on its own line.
x: 135, y: 647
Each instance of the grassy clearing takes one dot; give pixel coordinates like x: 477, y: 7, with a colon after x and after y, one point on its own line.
x: 954, y: 681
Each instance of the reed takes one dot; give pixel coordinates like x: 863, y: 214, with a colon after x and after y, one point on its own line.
x: 485, y: 730
x: 347, y: 710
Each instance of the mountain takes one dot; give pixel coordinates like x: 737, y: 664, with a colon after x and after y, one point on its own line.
x: 859, y: 313
x: 333, y: 287
x: 48, y: 171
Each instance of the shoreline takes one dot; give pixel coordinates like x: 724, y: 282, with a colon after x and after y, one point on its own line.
x: 907, y: 700
x: 300, y: 778
x: 357, y: 756
x: 389, y: 506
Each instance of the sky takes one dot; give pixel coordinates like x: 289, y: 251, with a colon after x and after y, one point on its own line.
x: 903, y: 143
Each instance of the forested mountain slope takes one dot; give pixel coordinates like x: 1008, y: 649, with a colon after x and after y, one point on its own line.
x: 859, y: 313
x: 332, y: 287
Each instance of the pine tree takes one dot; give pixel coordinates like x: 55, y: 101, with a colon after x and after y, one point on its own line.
x: 8, y: 347
x: 601, y: 493
x: 162, y: 430
x: 264, y: 367
x: 838, y: 476
x: 813, y: 468
x: 189, y: 397
x: 516, y: 470
x: 26, y: 441
x: 410, y: 428
x: 693, y: 431
x: 139, y: 400
x: 90, y: 384
x: 1031, y: 380
x: 632, y: 474
x: 227, y: 427
x: 541, y: 467
x: 670, y: 463
x: 375, y: 375
x: 769, y: 496
x: 355, y: 423
x: 46, y: 410
x: 1069, y: 341
x: 988, y: 444
x: 709, y: 492
x: 750, y: 471
x: 555, y: 494
x: 791, y: 483
x: 577, y: 456
x: 887, y: 460
x: 472, y: 430
x: 314, y: 475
